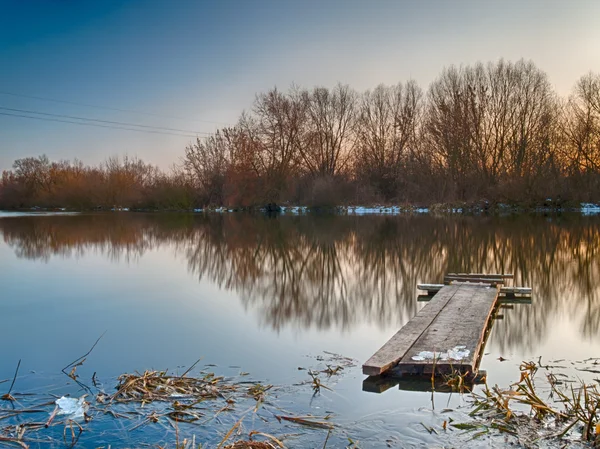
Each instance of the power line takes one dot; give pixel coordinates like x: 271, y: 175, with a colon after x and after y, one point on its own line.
x: 106, y: 107
x: 102, y: 121
x: 94, y: 124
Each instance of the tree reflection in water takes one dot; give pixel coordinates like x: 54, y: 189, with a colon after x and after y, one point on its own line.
x: 340, y: 271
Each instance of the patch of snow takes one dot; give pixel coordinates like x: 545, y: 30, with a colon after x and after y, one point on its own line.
x: 384, y: 210
x: 362, y: 210
x: 457, y: 353
x: 76, y: 408
x: 590, y: 209
x: 296, y: 210
x: 4, y: 214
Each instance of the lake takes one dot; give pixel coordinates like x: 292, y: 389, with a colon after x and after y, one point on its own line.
x: 267, y: 295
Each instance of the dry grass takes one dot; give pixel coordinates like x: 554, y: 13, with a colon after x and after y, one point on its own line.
x: 167, y: 400
x: 457, y: 381
x: 160, y: 386
x: 250, y: 445
x: 560, y: 408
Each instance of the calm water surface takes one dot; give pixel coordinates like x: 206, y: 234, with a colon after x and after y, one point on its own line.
x: 269, y: 295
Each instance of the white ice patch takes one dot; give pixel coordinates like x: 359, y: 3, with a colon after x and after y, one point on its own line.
x: 72, y: 406
x: 382, y: 210
x: 590, y: 209
x: 33, y: 214
x: 295, y: 210
x: 457, y: 353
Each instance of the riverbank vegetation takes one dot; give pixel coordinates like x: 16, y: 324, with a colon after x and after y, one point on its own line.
x: 560, y: 408
x: 158, y: 409
x: 200, y: 409
x: 495, y: 132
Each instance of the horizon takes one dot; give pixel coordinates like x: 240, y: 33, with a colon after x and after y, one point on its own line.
x: 196, y: 66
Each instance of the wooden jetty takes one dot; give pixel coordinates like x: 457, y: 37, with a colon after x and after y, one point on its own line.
x: 449, y: 332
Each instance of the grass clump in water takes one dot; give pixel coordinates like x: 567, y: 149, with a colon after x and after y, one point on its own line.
x: 556, y: 408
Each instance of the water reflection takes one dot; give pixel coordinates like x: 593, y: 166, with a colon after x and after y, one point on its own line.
x: 329, y: 272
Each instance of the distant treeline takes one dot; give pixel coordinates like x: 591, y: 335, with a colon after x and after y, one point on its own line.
x: 497, y: 132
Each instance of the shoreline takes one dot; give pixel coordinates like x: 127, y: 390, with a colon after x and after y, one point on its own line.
x: 479, y: 208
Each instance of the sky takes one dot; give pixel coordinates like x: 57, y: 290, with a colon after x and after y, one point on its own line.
x: 191, y: 67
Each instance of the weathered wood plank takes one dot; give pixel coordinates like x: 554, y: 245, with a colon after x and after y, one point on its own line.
x: 515, y: 300
x: 484, y: 275
x: 503, y: 301
x: 392, y: 351
x: 483, y: 279
x: 462, y: 324
x: 515, y: 290
x: 434, y: 288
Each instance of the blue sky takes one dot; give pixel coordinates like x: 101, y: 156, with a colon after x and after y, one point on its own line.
x: 195, y: 65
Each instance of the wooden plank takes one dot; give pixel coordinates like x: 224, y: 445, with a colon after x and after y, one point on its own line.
x: 516, y: 290
x: 484, y: 275
x: 483, y: 279
x: 434, y: 288
x: 511, y: 292
x: 504, y: 301
x: 392, y: 351
x: 515, y: 300
x: 474, y: 276
x: 463, y: 323
x: 431, y: 289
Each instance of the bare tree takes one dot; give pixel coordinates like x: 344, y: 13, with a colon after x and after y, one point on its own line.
x: 278, y: 122
x: 34, y: 174
x: 126, y: 180
x: 387, y: 126
x: 207, y: 162
x: 493, y: 124
x: 327, y: 144
x: 581, y: 126
x: 447, y: 129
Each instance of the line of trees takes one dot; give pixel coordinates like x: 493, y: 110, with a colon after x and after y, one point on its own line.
x: 497, y: 132
x: 118, y: 182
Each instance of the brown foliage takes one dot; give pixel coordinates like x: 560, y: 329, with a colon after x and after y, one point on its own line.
x: 495, y: 131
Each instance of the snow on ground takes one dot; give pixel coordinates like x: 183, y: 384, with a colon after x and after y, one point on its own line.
x: 295, y: 210
x: 590, y: 209
x: 384, y: 210
x: 5, y: 214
